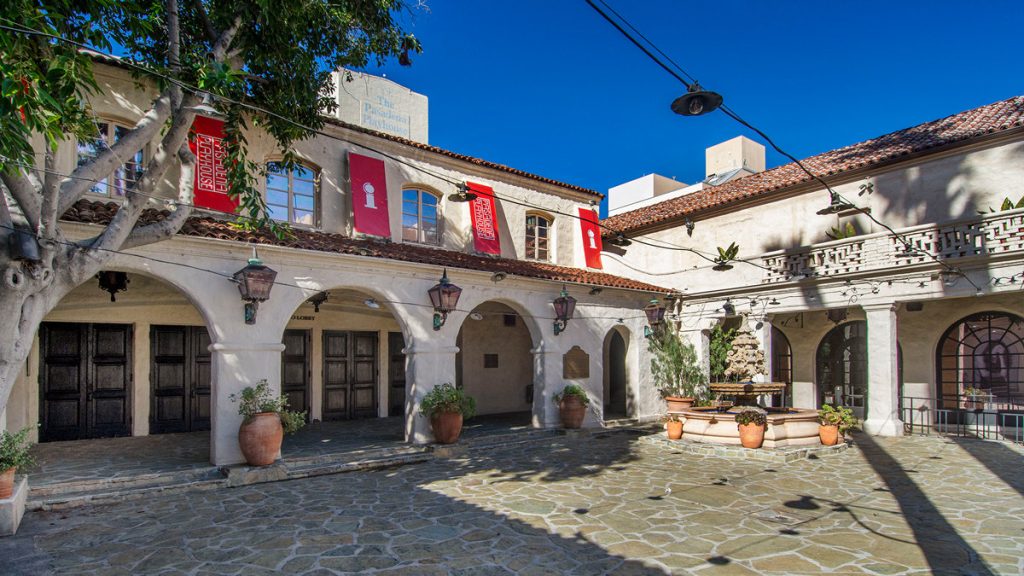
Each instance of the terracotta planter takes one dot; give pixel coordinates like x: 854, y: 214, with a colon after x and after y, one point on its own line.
x: 674, y: 429
x: 829, y: 434
x: 751, y: 435
x: 6, y: 483
x: 678, y: 403
x: 447, y: 427
x: 571, y: 410
x: 260, y: 438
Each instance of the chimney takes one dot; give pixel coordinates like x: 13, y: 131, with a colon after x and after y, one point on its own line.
x: 733, y: 159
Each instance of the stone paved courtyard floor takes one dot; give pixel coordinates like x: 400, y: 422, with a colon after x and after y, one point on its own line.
x: 607, y: 503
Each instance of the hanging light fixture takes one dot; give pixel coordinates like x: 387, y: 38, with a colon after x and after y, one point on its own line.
x: 564, y: 305
x: 655, y: 315
x: 728, y: 308
x: 205, y: 108
x: 689, y: 226
x: 464, y: 194
x: 444, y: 296
x: 23, y: 246
x: 696, y: 101
x: 113, y: 282
x: 836, y: 204
x: 317, y: 300
x: 254, y: 283
x: 620, y: 240
x: 836, y: 315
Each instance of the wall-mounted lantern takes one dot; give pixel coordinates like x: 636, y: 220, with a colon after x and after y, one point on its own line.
x: 728, y: 308
x: 112, y: 282
x: 317, y: 300
x: 254, y: 283
x: 564, y: 305
x: 655, y: 316
x: 444, y: 296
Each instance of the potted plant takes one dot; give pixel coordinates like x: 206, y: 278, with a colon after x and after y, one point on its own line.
x: 751, y: 422
x: 13, y: 456
x: 677, y: 373
x: 673, y: 426
x: 266, y: 421
x: 572, y: 405
x: 975, y: 398
x: 833, y: 422
x: 447, y: 406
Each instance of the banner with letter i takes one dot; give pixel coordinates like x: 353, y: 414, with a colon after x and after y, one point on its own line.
x: 369, y: 195
x: 591, y: 238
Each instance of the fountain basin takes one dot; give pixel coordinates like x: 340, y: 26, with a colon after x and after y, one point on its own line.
x: 786, y: 427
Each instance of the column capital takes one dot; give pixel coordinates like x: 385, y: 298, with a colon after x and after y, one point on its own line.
x: 880, y: 306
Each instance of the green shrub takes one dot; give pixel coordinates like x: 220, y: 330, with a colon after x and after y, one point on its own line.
x: 840, y: 416
x: 447, y: 398
x: 14, y: 450
x: 674, y: 366
x: 260, y: 399
x: 719, y: 345
x: 573, y: 390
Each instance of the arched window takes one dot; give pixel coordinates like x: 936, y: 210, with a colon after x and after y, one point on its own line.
x: 538, y: 237
x: 842, y: 367
x: 985, y: 352
x: 291, y: 193
x: 782, y: 365
x: 125, y: 175
x: 420, y: 216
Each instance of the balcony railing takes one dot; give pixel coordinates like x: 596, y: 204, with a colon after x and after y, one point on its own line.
x: 998, y: 233
x: 985, y: 416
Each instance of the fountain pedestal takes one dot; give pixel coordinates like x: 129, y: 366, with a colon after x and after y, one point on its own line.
x: 747, y: 392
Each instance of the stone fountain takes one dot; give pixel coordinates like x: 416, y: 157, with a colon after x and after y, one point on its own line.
x: 746, y: 362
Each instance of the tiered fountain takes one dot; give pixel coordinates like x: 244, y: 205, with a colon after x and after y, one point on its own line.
x: 717, y: 425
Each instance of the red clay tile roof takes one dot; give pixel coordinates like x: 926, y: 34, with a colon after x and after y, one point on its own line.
x: 954, y: 129
x: 96, y: 212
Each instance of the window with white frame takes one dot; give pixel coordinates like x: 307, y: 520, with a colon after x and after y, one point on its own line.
x: 125, y: 175
x: 420, y: 217
x: 538, y: 237
x: 291, y: 193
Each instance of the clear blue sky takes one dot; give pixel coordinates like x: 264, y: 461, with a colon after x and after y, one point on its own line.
x: 547, y: 86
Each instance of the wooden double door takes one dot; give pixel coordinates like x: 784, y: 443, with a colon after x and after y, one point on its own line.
x: 85, y: 381
x: 180, y: 379
x: 350, y: 367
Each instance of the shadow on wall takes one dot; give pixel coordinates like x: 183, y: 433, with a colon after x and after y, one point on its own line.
x: 938, y: 540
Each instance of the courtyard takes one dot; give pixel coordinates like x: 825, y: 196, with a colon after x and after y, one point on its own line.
x: 611, y: 502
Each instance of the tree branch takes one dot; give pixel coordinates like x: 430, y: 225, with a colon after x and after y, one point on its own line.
x: 211, y: 32
x: 169, y: 226
x: 24, y: 193
x: 81, y: 180
x: 220, y: 47
x: 6, y: 222
x: 48, y: 213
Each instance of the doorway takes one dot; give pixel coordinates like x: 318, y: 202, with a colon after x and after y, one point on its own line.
x: 615, y: 405
x: 295, y: 370
x: 842, y: 368
x: 180, y: 379
x: 349, y: 374
x: 396, y: 374
x: 85, y: 381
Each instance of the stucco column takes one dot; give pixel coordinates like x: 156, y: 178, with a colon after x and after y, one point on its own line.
x: 883, y: 417
x: 426, y: 366
x: 236, y: 365
x: 547, y: 381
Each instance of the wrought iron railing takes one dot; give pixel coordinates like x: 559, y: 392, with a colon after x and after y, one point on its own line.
x: 973, y: 416
x: 985, y: 235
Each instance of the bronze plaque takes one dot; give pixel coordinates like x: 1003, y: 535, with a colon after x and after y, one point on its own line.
x: 575, y: 364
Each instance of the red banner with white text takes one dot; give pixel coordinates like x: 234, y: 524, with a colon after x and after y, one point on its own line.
x: 591, y: 238
x: 369, y: 195
x: 211, y: 180
x: 485, y: 220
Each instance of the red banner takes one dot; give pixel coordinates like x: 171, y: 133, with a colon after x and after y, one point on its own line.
x: 369, y: 195
x: 211, y: 181
x: 591, y: 238
x: 485, y: 220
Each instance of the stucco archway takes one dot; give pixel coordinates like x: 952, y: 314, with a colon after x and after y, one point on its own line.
x: 617, y: 399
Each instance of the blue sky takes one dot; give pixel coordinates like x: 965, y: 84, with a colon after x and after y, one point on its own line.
x: 549, y: 87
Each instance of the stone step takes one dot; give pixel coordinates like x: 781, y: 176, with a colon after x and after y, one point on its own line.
x: 109, y: 495
x: 124, y: 482
x: 352, y: 455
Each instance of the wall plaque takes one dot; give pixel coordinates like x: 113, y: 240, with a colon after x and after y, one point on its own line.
x: 575, y: 364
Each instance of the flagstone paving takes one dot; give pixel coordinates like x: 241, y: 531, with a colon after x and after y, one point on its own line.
x: 607, y: 503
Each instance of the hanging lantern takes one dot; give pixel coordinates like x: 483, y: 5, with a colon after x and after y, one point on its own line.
x: 728, y: 308
x: 317, y: 300
x: 564, y: 305
x: 444, y: 297
x: 112, y: 282
x: 254, y: 283
x: 655, y: 312
x: 837, y: 315
x: 696, y: 101
x: 836, y: 204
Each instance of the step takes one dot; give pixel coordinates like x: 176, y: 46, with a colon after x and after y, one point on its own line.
x: 124, y: 482
x: 107, y: 495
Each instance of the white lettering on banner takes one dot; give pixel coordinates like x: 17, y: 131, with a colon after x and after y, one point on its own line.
x: 211, y: 176
x: 484, y: 222
x: 368, y: 188
x: 593, y: 243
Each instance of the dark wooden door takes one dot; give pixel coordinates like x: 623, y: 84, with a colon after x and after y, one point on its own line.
x: 180, y: 379
x: 86, y: 377
x: 295, y: 369
x: 396, y: 374
x: 350, y: 375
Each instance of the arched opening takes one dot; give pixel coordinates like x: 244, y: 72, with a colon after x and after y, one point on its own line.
x: 616, y: 376
x: 782, y: 366
x: 982, y: 355
x: 494, y: 364
x: 842, y: 367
